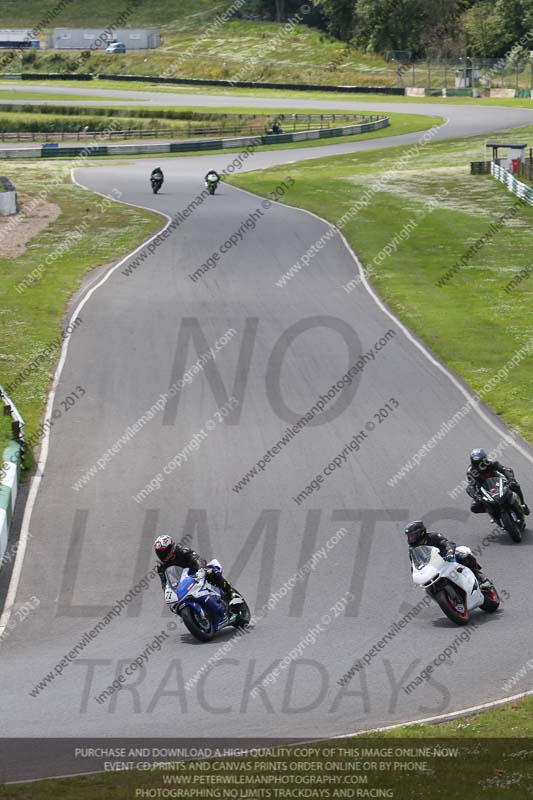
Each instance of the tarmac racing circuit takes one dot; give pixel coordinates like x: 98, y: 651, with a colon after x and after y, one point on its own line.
x: 312, y: 534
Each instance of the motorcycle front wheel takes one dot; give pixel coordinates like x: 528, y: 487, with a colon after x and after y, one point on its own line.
x: 510, y: 526
x: 199, y: 624
x: 451, y: 603
x: 244, y: 616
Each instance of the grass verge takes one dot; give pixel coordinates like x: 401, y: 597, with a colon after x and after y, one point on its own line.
x: 482, y: 756
x: 10, y: 95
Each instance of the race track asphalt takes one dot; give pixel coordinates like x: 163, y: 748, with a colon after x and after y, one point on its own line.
x: 89, y: 546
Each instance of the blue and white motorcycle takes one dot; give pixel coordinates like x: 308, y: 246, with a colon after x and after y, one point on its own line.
x: 201, y: 605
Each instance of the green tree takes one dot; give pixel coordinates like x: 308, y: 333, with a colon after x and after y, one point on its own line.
x: 442, y: 35
x: 482, y: 30
x: 280, y: 10
x: 339, y: 17
x: 515, y: 18
x: 509, y: 14
x: 381, y: 25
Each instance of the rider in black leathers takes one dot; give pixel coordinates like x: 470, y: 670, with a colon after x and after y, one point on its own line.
x: 481, y: 467
x: 173, y: 554
x: 418, y: 535
x: 157, y: 173
x: 212, y: 172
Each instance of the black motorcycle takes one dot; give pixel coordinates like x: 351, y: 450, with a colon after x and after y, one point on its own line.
x: 504, y: 506
x: 157, y: 183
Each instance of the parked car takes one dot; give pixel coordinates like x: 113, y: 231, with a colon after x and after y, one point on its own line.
x: 116, y: 47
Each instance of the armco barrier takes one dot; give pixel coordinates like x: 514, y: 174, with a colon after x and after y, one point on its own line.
x: 88, y: 150
x: 72, y: 152
x: 521, y: 190
x: 23, y: 152
x: 56, y: 76
x: 10, y: 470
x: 313, y: 87
x: 9, y: 478
x: 17, y: 423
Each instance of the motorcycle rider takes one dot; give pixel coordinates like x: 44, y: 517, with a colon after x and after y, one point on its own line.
x: 417, y: 535
x: 212, y: 172
x: 173, y: 554
x: 276, y: 128
x: 481, y: 467
x: 157, y: 174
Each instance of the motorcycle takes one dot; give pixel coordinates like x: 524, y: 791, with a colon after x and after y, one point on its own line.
x: 452, y: 586
x: 503, y: 506
x: 200, y: 604
x: 157, y: 183
x: 211, y: 183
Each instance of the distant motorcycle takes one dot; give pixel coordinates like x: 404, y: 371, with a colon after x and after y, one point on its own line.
x: 275, y: 130
x: 200, y: 604
x: 451, y: 585
x: 157, y: 183
x: 503, y: 506
x: 211, y: 183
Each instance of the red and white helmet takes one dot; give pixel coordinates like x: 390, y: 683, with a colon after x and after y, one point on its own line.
x: 164, y: 547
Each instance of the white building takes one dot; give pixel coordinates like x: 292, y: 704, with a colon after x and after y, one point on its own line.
x: 99, y: 38
x: 13, y: 39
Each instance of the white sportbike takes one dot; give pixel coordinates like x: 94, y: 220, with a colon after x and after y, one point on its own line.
x: 451, y: 585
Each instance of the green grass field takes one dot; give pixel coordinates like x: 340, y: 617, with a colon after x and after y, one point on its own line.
x: 30, y: 13
x: 238, y: 49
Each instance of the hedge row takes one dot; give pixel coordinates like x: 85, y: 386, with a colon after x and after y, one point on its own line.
x: 141, y: 113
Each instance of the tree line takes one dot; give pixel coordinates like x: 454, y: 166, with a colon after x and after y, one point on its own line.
x: 422, y: 28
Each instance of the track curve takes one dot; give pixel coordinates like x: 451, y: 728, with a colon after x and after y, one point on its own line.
x: 89, y: 547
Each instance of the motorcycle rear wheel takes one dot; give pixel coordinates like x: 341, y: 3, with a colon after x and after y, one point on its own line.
x: 202, y: 628
x: 491, y: 602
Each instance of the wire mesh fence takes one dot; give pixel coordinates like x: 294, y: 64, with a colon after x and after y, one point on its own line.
x: 466, y: 73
